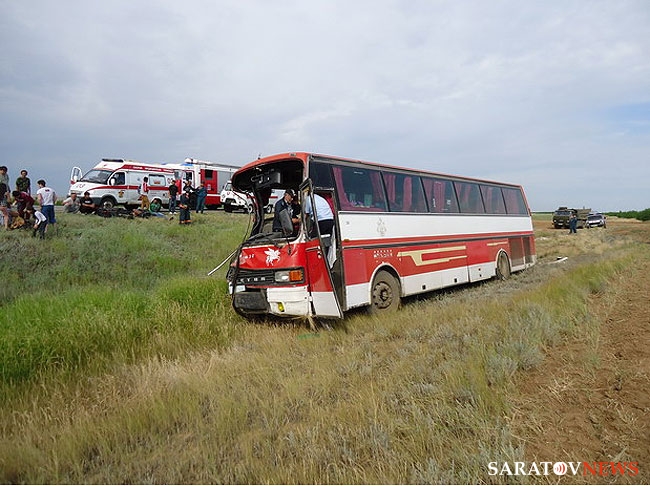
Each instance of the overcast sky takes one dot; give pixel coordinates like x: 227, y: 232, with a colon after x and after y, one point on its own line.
x: 553, y: 95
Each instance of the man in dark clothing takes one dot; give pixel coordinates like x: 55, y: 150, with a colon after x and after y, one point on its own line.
x: 283, y: 219
x: 87, y: 206
x: 173, y: 192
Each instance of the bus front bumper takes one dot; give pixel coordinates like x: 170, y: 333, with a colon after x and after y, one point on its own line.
x: 278, y: 301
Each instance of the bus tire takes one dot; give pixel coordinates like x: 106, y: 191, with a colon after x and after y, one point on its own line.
x: 107, y: 203
x: 384, y: 293
x: 503, y: 266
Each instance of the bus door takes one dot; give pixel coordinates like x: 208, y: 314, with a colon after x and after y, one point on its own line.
x: 321, y: 285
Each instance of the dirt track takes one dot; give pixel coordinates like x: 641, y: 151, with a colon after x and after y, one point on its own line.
x: 590, y: 399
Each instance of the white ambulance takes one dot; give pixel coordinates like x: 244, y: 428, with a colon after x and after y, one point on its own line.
x: 115, y: 182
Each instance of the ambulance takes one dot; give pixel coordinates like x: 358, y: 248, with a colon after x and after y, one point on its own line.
x: 115, y: 182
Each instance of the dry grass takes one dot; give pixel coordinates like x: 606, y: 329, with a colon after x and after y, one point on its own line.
x: 421, y: 396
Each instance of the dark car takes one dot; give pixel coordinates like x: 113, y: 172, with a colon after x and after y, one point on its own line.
x: 596, y: 219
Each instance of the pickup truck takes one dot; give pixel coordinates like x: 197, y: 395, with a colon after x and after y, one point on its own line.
x: 562, y: 214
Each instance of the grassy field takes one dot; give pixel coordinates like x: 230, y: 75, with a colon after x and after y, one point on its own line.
x: 122, y: 362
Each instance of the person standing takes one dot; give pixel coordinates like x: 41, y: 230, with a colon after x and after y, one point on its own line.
x: 573, y: 222
x: 47, y: 199
x: 4, y: 179
x: 23, y: 184
x: 184, y: 205
x: 144, y: 194
x: 4, y: 205
x: 201, y: 194
x: 173, y: 193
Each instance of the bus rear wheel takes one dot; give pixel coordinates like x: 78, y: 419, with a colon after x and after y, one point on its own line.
x: 385, y: 293
x: 503, y: 266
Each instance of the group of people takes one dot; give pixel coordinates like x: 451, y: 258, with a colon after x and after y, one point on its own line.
x: 178, y: 199
x: 22, y: 198
x: 183, y: 201
x: 84, y: 205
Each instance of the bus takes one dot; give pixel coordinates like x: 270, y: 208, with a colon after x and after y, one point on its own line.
x: 396, y: 232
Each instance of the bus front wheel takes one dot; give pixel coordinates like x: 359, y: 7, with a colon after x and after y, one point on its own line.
x: 385, y: 293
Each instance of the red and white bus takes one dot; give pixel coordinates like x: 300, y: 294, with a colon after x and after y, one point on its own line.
x: 396, y: 232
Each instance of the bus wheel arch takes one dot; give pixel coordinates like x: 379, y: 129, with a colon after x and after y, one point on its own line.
x: 385, y: 291
x: 503, y: 267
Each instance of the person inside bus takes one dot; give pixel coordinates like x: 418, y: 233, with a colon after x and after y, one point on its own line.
x: 283, y: 217
x: 323, y: 212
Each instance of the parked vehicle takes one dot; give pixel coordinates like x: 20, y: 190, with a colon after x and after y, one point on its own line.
x: 212, y: 175
x: 115, y: 182
x: 233, y: 200
x: 369, y: 234
x: 562, y: 214
x: 596, y: 219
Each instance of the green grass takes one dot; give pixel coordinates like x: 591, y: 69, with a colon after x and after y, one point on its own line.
x: 147, y: 375
x: 99, y: 291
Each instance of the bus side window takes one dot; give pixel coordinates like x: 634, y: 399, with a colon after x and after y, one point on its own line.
x: 469, y: 198
x: 441, y: 195
x: 359, y: 189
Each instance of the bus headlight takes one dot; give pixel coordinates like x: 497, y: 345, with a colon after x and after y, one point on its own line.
x: 290, y: 276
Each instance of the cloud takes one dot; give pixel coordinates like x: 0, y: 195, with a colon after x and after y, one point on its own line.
x: 497, y: 89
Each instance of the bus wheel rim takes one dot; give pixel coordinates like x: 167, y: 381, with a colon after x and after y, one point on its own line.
x: 382, y: 295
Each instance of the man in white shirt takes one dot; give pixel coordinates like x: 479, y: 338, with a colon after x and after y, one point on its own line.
x: 46, y: 198
x: 40, y: 224
x: 323, y: 213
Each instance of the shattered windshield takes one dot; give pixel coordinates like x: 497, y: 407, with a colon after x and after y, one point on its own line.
x: 97, y: 176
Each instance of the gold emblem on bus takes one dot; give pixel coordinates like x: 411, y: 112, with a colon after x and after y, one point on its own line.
x: 418, y: 260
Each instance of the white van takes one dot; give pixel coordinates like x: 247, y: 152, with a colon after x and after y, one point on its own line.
x: 233, y: 200
x: 115, y: 182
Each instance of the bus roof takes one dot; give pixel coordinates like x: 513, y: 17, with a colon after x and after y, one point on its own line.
x: 305, y: 156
